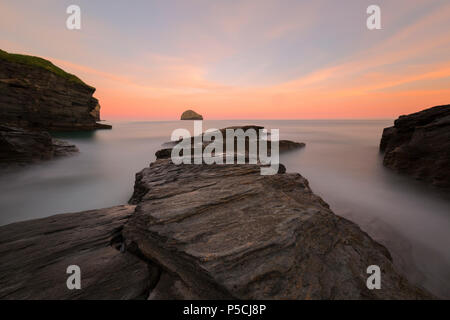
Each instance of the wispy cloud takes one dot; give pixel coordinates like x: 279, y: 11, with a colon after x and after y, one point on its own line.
x: 245, y: 59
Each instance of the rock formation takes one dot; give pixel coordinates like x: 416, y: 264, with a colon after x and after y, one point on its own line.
x: 419, y: 145
x: 225, y: 231
x: 35, y: 97
x: 34, y: 93
x: 284, y: 145
x: 35, y: 256
x: 191, y: 115
x: 19, y: 146
x: 201, y: 232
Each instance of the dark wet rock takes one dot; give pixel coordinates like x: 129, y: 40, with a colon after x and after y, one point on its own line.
x: 225, y: 231
x: 419, y: 145
x: 63, y: 148
x: 35, y: 256
x: 171, y: 287
x: 284, y: 145
x: 163, y: 153
x: 281, y: 169
x: 19, y: 146
x: 47, y: 98
x: 287, y: 145
x: 191, y: 115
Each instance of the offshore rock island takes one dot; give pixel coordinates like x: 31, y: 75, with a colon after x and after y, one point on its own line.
x: 191, y: 115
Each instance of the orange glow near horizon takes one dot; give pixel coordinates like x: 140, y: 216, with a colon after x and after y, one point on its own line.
x: 243, y: 65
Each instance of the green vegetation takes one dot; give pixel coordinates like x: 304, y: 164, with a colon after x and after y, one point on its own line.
x: 40, y: 63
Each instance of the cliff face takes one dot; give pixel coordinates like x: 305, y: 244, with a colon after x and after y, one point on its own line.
x: 419, y: 145
x: 36, y: 94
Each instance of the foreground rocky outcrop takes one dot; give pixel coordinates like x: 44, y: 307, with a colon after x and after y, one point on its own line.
x: 20, y: 146
x: 34, y: 93
x: 225, y: 231
x: 191, y: 115
x: 35, y: 256
x: 419, y: 145
x: 201, y: 232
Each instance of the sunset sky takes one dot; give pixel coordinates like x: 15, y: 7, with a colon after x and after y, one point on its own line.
x: 230, y: 59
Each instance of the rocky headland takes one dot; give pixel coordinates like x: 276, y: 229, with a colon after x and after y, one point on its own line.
x: 36, y: 97
x: 201, y: 232
x: 418, y: 145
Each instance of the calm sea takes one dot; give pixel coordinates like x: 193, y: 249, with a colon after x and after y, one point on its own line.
x: 341, y: 162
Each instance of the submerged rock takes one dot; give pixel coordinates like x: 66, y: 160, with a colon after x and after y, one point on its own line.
x: 419, y: 145
x: 18, y: 146
x: 287, y: 145
x: 63, y: 148
x: 191, y: 115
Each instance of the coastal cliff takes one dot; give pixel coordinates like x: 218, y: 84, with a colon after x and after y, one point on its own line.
x: 35, y: 97
x: 36, y: 94
x: 418, y: 145
x: 201, y: 232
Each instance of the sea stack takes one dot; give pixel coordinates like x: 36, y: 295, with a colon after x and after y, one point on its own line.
x: 191, y: 115
x: 419, y: 145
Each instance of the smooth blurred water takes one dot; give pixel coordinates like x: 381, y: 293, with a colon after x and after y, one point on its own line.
x: 341, y: 161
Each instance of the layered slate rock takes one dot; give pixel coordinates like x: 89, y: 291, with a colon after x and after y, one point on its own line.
x: 225, y: 232
x: 283, y: 145
x: 200, y: 232
x: 191, y: 115
x: 35, y: 256
x: 34, y: 93
x: 19, y: 146
x: 419, y: 145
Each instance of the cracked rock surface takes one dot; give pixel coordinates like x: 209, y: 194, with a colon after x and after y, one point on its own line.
x: 225, y: 232
x: 35, y: 255
x: 200, y: 232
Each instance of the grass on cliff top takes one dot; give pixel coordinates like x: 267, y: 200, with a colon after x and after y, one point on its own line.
x: 40, y: 63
